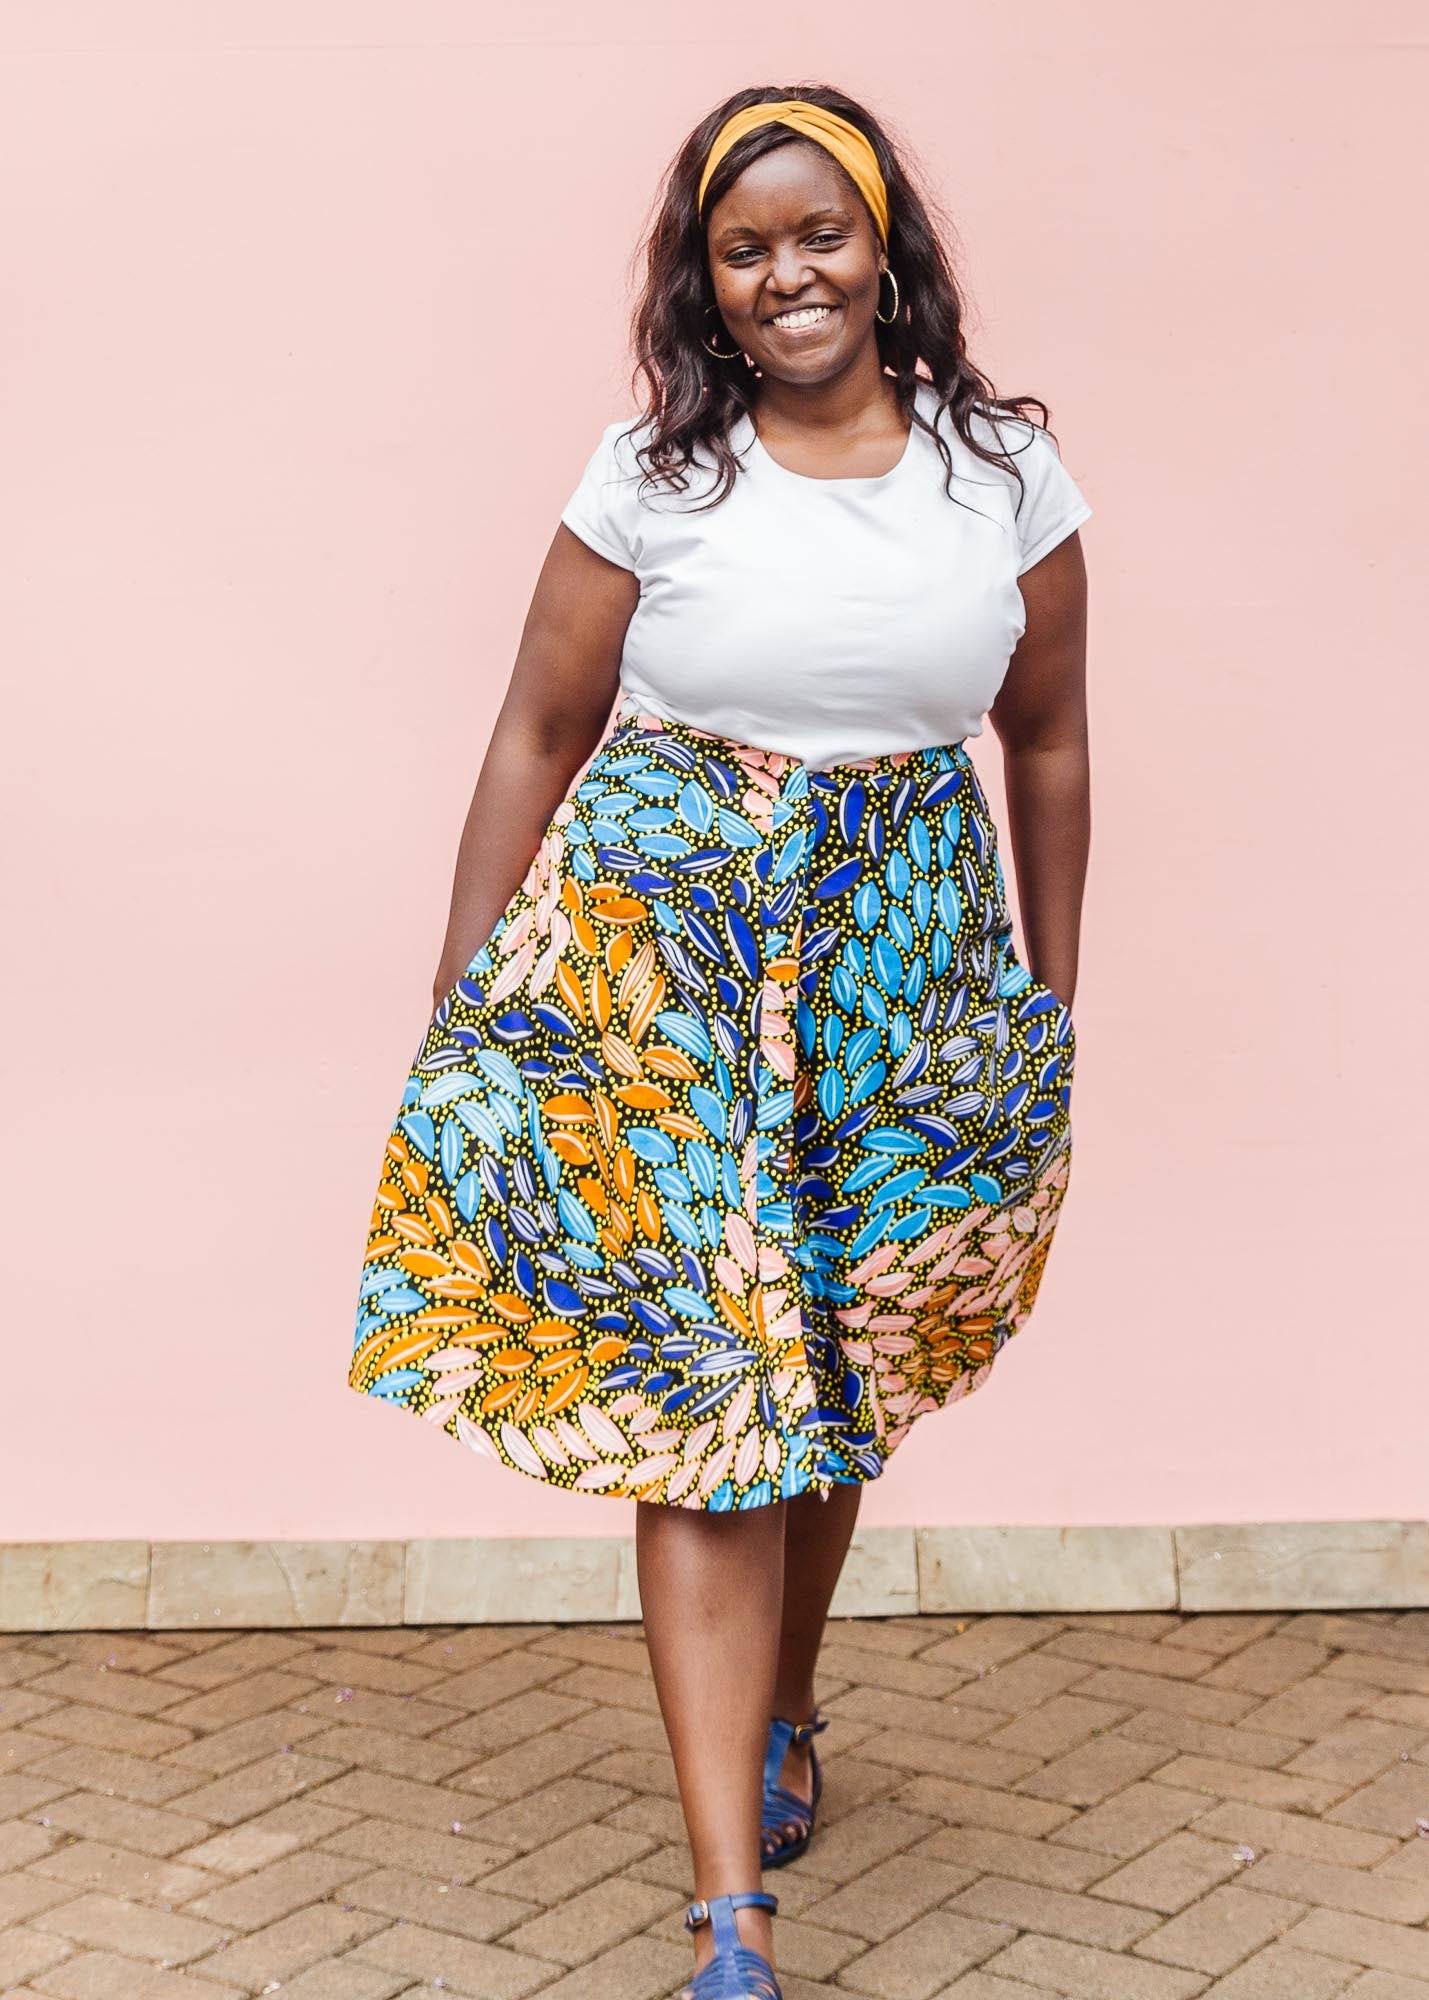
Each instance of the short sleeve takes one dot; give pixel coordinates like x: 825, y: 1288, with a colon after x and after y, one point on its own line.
x: 1052, y: 505
x: 602, y: 508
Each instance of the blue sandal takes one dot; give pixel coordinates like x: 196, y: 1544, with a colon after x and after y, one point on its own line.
x: 737, y: 1971
x: 782, y: 1808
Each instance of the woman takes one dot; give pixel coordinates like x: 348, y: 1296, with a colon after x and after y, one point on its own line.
x: 739, y: 1133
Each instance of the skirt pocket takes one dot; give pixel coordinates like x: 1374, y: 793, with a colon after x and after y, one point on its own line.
x: 1011, y: 965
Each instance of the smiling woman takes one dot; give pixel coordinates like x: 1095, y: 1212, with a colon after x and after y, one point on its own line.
x: 739, y: 1134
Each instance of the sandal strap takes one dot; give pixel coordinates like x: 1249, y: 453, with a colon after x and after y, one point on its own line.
x: 704, y: 1909
x: 783, y: 1808
x: 737, y: 1971
x: 781, y: 1734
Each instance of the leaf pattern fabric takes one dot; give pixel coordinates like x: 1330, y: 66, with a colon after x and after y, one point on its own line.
x: 741, y: 1142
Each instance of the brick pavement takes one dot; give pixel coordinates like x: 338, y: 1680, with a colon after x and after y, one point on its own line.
x: 1141, y: 1807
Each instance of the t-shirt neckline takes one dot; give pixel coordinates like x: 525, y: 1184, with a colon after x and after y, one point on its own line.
x: 858, y: 481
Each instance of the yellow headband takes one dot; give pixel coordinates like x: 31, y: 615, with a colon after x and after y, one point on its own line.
x: 849, y: 146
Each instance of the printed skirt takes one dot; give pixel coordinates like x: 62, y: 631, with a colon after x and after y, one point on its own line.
x: 741, y: 1141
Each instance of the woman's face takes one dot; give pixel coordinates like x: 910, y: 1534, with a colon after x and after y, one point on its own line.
x: 791, y: 233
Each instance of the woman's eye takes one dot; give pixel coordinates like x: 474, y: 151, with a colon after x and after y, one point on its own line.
x: 826, y: 239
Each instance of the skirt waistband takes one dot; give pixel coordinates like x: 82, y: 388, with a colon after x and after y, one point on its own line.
x: 634, y: 722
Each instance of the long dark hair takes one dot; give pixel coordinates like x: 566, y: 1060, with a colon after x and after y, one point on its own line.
x: 691, y: 399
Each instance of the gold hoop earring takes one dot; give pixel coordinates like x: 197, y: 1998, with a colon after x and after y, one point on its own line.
x: 887, y: 272
x: 719, y: 353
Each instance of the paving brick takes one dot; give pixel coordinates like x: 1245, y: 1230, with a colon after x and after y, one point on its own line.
x: 1293, y: 1833
x: 978, y: 1985
x: 1365, y: 1892
x: 275, y: 1891
x: 86, y: 1768
x: 1086, y: 1776
x: 889, y: 1895
x: 1133, y: 1820
x: 569, y: 1864
x: 458, y: 1857
x: 1280, y: 1972
x: 23, y: 1895
x: 1236, y: 1744
x: 240, y: 1700
x: 345, y: 1979
x: 150, y: 1829
x: 1390, y: 1676
x: 1225, y: 1927
x: 619, y: 1728
x: 1023, y: 1683
x: 1397, y: 1948
x: 1407, y: 1861
x: 430, y: 1760
x: 1312, y: 1707
x: 1385, y: 1986
x: 972, y: 1763
x: 1054, y: 1913
x: 1268, y: 1665
x: 282, y: 1829
x: 478, y: 1913
x: 528, y: 1766
x: 1179, y: 1697
x: 261, y: 1735
x: 981, y: 1805
x: 1110, y: 1649
x: 1172, y: 1874
x: 585, y: 1925
x: 104, y: 1975
x: 921, y: 1959
x: 633, y: 1770
x: 1085, y: 1973
x: 1359, y: 1749
x: 1060, y: 1724
x: 1275, y: 1789
x: 239, y: 1657
x: 853, y: 1845
x: 532, y: 1820
x: 131, y: 1694
x: 978, y: 1850
x: 290, y: 1945
x: 1390, y: 1804
x: 487, y: 1971
x: 1222, y: 1631
x: 108, y: 1923
x: 988, y: 1643
x: 597, y: 1647
x: 21, y: 1841
x: 92, y: 1864
x: 510, y: 1722
x: 643, y: 1968
x: 911, y: 1713
x: 25, y: 1952
x: 921, y: 1677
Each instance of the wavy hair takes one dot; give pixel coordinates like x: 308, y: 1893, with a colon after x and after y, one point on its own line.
x: 692, y: 399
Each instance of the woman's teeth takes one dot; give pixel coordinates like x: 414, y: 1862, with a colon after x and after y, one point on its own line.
x: 809, y: 316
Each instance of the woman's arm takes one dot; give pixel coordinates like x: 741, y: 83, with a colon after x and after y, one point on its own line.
x: 1040, y: 716
x: 562, y: 688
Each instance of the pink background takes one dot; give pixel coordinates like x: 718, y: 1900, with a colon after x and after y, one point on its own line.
x: 311, y: 314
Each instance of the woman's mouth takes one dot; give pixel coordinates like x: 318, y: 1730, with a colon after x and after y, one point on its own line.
x: 807, y: 319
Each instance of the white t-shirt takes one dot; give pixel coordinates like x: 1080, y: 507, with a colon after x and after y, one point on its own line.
x: 831, y: 619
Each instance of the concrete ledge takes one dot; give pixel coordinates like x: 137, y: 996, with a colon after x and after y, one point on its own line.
x: 891, y: 1572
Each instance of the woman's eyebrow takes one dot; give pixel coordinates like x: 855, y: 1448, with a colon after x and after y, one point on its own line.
x: 814, y: 215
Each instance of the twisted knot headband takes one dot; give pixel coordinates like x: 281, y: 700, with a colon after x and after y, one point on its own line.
x: 849, y: 146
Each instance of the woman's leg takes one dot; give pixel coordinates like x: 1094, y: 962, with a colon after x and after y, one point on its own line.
x: 816, y: 1539
x: 711, y: 1591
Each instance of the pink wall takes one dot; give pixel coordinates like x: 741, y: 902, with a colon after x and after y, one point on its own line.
x: 311, y: 315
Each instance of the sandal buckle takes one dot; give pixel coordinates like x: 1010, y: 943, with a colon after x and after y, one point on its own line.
x: 697, y: 1914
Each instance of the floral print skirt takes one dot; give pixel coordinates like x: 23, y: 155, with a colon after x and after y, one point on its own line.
x: 740, y: 1143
